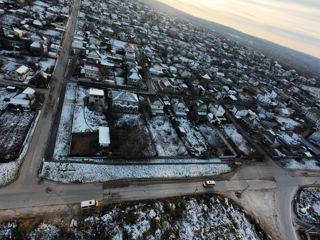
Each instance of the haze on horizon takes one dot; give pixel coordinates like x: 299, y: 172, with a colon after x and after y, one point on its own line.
x: 290, y: 23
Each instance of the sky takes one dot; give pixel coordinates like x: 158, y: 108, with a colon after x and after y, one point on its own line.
x: 290, y: 23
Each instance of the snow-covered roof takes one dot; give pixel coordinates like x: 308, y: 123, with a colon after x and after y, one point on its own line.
x: 29, y: 91
x: 124, y: 96
x: 104, y: 135
x: 35, y: 44
x: 96, y: 92
x: 22, y: 70
x: 20, y: 102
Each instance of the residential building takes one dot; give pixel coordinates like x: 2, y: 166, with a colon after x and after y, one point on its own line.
x: 96, y: 97
x: 124, y: 101
x: 156, y: 105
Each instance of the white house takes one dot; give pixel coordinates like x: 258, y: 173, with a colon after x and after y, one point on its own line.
x: 96, y: 97
x: 20, y: 74
x: 104, y: 137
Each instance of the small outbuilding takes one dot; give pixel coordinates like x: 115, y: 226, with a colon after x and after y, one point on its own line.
x: 104, y: 137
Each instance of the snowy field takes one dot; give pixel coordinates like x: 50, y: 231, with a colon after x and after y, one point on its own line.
x: 194, y: 141
x: 231, y: 131
x: 9, y: 170
x: 202, y: 217
x: 86, y: 173
x: 14, y: 127
x: 309, y: 198
x: 307, y: 164
x: 64, y: 132
x: 167, y: 142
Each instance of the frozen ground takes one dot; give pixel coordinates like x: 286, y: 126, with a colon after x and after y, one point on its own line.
x: 166, y: 140
x: 9, y: 170
x: 4, y: 94
x: 202, y: 217
x: 76, y: 172
x: 64, y: 132
x: 194, y: 141
x: 14, y: 126
x: 231, y: 131
x: 309, y: 164
x: 130, y: 137
x: 309, y: 198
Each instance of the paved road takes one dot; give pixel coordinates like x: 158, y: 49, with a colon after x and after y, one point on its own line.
x: 28, y: 196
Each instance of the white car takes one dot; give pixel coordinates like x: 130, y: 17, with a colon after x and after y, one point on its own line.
x: 89, y: 204
x: 209, y: 183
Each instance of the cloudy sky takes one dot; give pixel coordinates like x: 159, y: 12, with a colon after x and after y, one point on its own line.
x: 291, y: 23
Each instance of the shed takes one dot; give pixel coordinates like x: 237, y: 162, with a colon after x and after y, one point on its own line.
x: 104, y: 136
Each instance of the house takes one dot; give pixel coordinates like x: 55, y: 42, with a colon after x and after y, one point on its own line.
x: 240, y: 111
x: 96, y: 97
x: 104, y: 137
x: 165, y: 85
x: 156, y: 105
x: 125, y: 101
x: 36, y: 48
x: 24, y: 99
x: 92, y: 70
x: 20, y: 74
x: 217, y: 112
x: 134, y: 78
x: 178, y: 107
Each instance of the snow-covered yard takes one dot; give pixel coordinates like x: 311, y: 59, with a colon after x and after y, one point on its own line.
x: 231, y: 131
x: 309, y: 201
x: 77, y: 172
x: 9, y: 170
x: 130, y: 137
x: 194, y: 141
x: 308, y: 164
x: 201, y: 217
x: 214, y: 141
x: 14, y: 127
x: 167, y: 142
x: 5, y: 94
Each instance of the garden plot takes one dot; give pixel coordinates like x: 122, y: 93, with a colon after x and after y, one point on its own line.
x: 194, y: 141
x: 14, y: 127
x: 307, y: 164
x: 86, y: 173
x: 167, y: 142
x: 214, y: 141
x: 130, y: 137
x: 231, y: 131
x: 309, y: 201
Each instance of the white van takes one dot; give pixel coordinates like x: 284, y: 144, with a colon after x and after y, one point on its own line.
x: 89, y: 204
x: 208, y: 183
